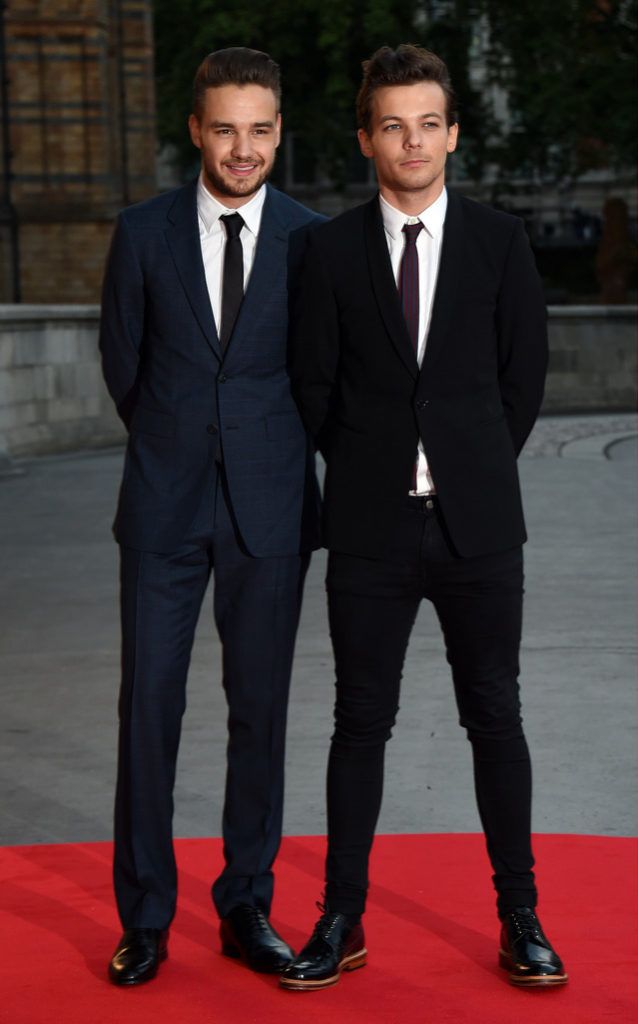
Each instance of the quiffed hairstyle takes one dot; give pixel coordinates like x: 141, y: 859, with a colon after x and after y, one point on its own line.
x: 406, y: 65
x: 236, y: 65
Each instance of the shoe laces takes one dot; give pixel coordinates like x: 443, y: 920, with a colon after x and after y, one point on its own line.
x: 256, y: 915
x: 327, y: 922
x: 527, y: 925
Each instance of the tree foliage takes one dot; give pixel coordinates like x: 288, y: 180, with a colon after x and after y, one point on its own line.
x: 318, y: 43
x: 566, y: 67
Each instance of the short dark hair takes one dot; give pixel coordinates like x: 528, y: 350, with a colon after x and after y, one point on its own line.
x: 406, y: 65
x: 236, y: 65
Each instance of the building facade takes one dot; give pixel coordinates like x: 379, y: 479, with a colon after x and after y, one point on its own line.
x: 78, y: 140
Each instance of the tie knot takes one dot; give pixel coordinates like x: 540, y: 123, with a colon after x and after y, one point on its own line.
x: 233, y: 222
x: 411, y: 232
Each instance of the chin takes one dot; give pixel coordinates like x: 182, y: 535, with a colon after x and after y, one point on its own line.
x: 236, y: 188
x: 241, y: 188
x: 415, y: 184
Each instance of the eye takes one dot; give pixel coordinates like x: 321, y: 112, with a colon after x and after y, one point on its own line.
x: 430, y: 124
x: 391, y: 127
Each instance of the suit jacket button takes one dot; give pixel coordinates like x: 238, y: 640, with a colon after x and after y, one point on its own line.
x: 222, y: 378
x: 422, y: 404
x: 212, y: 429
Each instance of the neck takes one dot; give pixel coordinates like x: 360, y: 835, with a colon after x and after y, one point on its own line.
x: 412, y: 203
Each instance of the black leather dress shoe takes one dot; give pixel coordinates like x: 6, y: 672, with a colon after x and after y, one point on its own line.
x: 138, y: 956
x: 526, y: 953
x: 335, y: 945
x: 247, y: 935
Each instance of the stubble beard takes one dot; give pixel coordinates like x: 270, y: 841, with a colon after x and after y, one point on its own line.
x: 235, y: 189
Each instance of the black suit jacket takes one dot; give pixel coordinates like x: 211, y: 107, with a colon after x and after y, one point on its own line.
x: 473, y: 402
x: 185, y: 402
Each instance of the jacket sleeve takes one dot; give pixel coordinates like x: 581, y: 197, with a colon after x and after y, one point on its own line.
x: 122, y: 321
x: 314, y: 345
x: 521, y: 323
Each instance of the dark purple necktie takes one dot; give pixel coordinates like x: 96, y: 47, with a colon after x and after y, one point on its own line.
x: 409, y: 294
x: 409, y: 282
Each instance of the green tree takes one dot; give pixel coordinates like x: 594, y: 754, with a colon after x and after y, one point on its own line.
x: 452, y: 30
x: 568, y: 69
x: 319, y: 45
x: 315, y: 44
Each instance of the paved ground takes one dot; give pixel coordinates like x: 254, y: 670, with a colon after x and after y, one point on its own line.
x: 59, y: 660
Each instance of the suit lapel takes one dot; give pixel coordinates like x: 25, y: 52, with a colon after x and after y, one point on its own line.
x: 446, y: 294
x: 269, y: 264
x: 384, y: 285
x: 182, y: 236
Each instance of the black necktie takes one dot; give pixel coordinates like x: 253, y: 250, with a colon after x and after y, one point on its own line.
x: 409, y: 282
x: 233, y: 279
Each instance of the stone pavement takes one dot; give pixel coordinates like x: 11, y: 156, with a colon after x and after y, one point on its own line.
x: 59, y: 660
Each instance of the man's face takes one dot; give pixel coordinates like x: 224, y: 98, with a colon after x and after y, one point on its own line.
x: 238, y: 133
x: 409, y: 139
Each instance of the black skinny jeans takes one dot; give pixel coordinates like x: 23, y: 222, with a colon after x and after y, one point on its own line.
x: 372, y: 608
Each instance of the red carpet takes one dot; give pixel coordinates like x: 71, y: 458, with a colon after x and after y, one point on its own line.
x: 431, y: 935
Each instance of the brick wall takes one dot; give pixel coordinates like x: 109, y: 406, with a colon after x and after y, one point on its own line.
x: 82, y: 130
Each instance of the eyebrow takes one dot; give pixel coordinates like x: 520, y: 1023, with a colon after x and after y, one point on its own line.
x: 397, y: 117
x: 230, y: 124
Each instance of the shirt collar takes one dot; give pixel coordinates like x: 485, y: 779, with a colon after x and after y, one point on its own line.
x: 432, y: 217
x: 210, y: 209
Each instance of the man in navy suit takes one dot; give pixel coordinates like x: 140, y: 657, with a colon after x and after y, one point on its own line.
x: 218, y: 476
x: 419, y: 358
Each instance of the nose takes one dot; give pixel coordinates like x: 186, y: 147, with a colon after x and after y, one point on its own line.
x: 412, y: 139
x: 241, y: 146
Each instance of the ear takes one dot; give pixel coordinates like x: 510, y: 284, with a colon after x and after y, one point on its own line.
x: 195, y: 130
x: 365, y: 144
x: 452, y: 137
x: 278, y: 130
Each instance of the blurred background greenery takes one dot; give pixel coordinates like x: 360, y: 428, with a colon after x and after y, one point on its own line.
x: 546, y: 91
x: 95, y: 99
x: 564, y: 69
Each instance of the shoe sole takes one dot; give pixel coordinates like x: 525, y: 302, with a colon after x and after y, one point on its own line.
x: 349, y: 963
x: 529, y: 980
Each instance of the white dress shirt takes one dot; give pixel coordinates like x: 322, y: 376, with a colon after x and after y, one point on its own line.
x: 428, y: 245
x: 212, y: 237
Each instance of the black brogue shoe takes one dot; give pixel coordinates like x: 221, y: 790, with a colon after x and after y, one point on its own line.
x: 526, y: 953
x: 247, y: 934
x: 335, y: 945
x: 137, y: 958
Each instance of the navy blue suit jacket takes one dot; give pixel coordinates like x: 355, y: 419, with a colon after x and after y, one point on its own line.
x: 183, y: 402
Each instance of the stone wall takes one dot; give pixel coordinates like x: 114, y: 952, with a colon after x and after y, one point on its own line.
x: 52, y: 397
x: 592, y: 364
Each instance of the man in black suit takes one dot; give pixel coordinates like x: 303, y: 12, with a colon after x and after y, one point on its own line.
x: 419, y: 357
x: 218, y: 477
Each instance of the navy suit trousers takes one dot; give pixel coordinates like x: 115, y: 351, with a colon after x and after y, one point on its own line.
x: 256, y: 607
